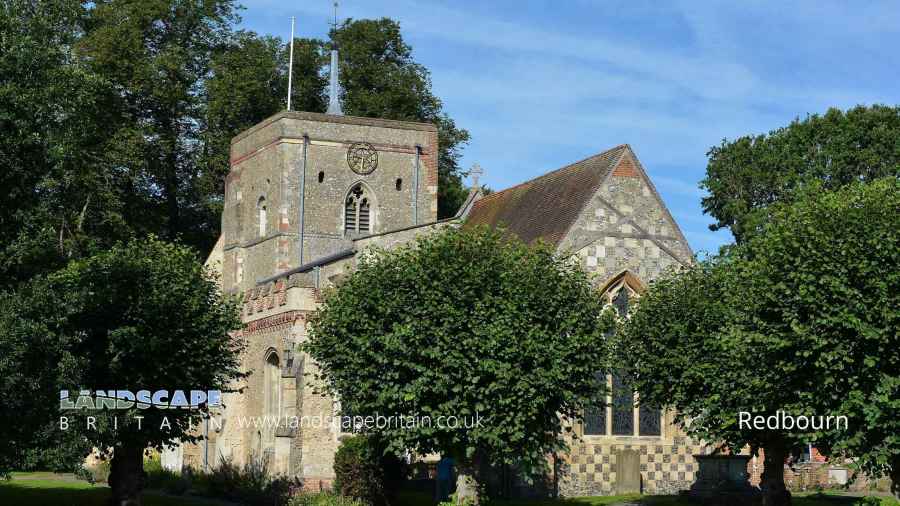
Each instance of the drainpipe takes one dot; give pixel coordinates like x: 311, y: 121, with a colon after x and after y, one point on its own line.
x: 303, y: 193
x: 415, y: 195
x: 206, y: 445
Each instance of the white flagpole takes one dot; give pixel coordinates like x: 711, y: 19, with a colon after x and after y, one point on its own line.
x: 290, y: 64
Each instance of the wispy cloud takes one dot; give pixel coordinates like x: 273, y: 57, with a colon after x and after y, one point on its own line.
x: 540, y: 86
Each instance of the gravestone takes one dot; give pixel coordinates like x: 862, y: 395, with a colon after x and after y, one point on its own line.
x: 628, y: 472
x: 722, y: 476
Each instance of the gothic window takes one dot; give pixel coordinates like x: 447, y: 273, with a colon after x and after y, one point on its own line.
x: 626, y: 417
x: 399, y: 184
x: 650, y: 421
x: 620, y: 301
x: 622, y: 407
x: 358, y: 211
x: 595, y: 415
x: 263, y: 219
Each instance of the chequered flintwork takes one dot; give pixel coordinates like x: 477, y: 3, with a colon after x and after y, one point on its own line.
x: 666, y: 467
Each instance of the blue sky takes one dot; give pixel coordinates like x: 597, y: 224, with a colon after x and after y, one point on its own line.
x: 540, y: 84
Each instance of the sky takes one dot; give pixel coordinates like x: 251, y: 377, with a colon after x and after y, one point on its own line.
x: 541, y: 84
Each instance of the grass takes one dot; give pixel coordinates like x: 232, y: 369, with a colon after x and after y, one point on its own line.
x: 25, y: 489
x: 803, y: 499
x: 41, y: 489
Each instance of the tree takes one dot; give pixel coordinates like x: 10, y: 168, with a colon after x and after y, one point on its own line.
x: 800, y: 318
x: 144, y: 315
x: 380, y: 79
x: 158, y: 54
x: 449, y: 326
x: 60, y: 195
x: 745, y: 176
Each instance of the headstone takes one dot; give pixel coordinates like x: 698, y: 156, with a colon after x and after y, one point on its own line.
x: 628, y: 472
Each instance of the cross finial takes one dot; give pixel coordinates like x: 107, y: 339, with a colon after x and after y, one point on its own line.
x: 476, y: 172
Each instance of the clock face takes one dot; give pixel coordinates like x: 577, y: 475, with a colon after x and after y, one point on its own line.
x: 362, y: 158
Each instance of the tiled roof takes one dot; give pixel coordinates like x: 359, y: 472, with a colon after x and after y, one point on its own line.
x: 547, y: 206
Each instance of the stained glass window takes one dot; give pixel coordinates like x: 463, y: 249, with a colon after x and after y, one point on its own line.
x: 622, y: 407
x: 595, y: 416
x: 649, y: 421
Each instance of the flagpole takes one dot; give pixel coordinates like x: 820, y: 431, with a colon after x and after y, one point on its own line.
x: 290, y: 65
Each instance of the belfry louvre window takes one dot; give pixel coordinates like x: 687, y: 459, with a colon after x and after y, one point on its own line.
x: 357, y: 211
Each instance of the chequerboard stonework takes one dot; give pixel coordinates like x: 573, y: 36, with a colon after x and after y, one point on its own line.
x: 308, y: 192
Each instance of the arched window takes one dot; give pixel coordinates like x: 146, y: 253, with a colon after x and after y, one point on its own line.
x: 616, y: 416
x: 271, y: 384
x: 263, y: 219
x: 358, y: 211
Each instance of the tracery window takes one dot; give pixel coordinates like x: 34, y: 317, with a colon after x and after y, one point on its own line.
x: 358, y: 210
x: 622, y: 414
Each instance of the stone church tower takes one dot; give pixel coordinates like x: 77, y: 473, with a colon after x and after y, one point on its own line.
x: 303, y: 185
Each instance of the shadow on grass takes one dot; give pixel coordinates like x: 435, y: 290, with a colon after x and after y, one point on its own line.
x: 55, y: 492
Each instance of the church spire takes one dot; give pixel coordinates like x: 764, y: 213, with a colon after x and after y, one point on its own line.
x: 334, y: 86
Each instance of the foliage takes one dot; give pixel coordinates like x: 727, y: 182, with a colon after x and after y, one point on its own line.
x: 60, y: 198
x: 365, y: 472
x: 446, y: 326
x: 745, y: 176
x: 158, y: 477
x: 323, y: 499
x: 142, y: 315
x: 36, y: 359
x: 801, y: 318
x: 250, y: 483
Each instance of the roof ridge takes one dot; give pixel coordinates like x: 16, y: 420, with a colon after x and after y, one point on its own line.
x: 523, y: 183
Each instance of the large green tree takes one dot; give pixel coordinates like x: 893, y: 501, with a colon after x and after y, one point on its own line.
x: 465, y: 323
x: 381, y: 79
x: 800, y: 318
x: 141, y: 316
x: 746, y: 175
x: 159, y: 53
x: 61, y: 197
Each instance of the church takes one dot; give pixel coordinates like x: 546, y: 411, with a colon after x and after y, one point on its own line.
x: 309, y: 192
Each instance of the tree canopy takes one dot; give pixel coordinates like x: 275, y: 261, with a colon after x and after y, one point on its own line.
x: 746, y: 175
x: 447, y: 326
x: 141, y: 316
x: 800, y: 318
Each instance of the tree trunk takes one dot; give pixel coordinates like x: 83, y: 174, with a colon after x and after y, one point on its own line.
x: 774, y: 493
x: 126, y: 475
x: 468, y: 488
x: 895, y: 477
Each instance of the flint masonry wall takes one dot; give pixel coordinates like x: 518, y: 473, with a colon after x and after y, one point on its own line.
x: 625, y: 226
x: 293, y: 155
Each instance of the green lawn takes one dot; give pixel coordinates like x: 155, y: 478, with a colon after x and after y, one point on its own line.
x: 47, y: 489
x: 24, y: 490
